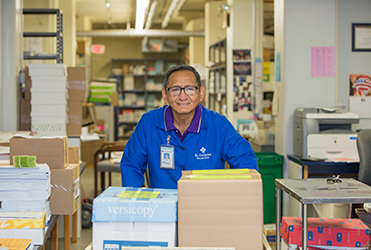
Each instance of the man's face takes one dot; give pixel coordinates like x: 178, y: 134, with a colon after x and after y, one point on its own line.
x: 183, y: 103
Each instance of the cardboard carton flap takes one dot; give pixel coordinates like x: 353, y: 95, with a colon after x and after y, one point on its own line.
x: 220, y: 171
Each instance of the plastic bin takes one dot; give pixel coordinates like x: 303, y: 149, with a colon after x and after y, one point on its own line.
x: 270, y: 168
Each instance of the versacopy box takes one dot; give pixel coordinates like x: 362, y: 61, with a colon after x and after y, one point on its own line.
x: 124, y: 216
x: 220, y: 210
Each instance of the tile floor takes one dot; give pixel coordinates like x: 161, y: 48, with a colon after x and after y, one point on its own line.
x: 87, y: 183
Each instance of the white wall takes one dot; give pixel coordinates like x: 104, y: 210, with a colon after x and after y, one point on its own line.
x: 355, y: 11
x: 296, y: 31
x: 300, y: 25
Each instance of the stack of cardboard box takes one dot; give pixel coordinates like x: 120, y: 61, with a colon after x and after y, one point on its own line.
x: 46, y: 106
x: 220, y: 208
x: 65, y: 177
x: 76, y: 96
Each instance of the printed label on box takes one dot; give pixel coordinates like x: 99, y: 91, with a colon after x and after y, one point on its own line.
x: 119, y: 244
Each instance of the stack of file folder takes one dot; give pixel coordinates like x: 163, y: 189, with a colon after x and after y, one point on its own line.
x: 49, y: 96
x: 24, y: 202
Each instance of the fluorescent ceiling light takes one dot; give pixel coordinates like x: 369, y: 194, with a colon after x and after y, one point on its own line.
x: 108, y: 5
x: 175, y: 6
x: 151, y: 13
x: 142, y: 5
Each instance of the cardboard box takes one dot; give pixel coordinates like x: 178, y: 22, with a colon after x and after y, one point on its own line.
x: 234, y: 171
x: 268, y: 55
x: 27, y: 78
x: 88, y: 149
x: 73, y: 129
x: 73, y: 155
x: 25, y: 115
x: 266, y: 132
x: 81, y: 47
x: 221, y: 212
x: 264, y: 124
x: 270, y: 234
x: 74, y: 123
x: 125, y: 216
x: 326, y: 232
x: 65, y: 196
x: 50, y: 150
x: 75, y: 109
x: 76, y: 83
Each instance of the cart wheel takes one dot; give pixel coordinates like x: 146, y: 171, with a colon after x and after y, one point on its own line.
x: 86, y: 215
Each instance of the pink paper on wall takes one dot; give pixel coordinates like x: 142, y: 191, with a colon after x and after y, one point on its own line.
x: 323, y: 62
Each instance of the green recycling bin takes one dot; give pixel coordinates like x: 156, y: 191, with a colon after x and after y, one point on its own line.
x: 270, y: 168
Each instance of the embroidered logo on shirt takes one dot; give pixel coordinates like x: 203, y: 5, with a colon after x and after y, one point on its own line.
x: 203, y: 155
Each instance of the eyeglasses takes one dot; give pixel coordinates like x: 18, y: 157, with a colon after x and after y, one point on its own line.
x: 189, y: 90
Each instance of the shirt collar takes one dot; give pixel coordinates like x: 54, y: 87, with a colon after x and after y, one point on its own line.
x: 193, y: 127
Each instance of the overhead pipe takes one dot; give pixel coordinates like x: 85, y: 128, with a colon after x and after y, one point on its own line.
x: 150, y: 16
x: 139, y: 33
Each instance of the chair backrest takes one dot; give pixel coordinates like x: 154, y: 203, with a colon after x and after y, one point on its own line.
x: 107, y: 148
x: 364, y: 151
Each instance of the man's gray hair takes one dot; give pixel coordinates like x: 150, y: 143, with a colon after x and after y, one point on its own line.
x: 182, y: 67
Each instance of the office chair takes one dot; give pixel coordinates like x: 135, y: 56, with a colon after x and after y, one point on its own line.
x: 103, y: 164
x: 364, y: 151
x: 364, y: 172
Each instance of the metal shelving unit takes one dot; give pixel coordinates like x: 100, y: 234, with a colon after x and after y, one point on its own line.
x: 140, y: 86
x: 217, y: 92
x: 58, y: 56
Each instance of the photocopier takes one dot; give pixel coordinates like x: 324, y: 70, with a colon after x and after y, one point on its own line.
x: 325, y: 133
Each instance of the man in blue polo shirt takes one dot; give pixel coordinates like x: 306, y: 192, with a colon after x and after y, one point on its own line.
x: 182, y: 135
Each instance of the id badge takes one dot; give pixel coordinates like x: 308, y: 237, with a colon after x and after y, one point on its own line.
x: 167, y: 157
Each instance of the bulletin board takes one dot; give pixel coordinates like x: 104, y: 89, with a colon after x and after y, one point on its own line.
x: 242, y: 81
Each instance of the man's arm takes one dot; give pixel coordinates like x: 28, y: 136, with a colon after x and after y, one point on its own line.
x: 134, y: 160
x: 237, y: 150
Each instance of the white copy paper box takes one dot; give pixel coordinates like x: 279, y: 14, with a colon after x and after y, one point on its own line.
x: 116, y: 235
x: 135, y: 217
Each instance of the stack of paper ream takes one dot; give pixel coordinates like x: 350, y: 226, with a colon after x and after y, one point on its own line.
x: 48, y: 98
x: 102, y: 92
x: 25, y: 189
x: 23, y: 225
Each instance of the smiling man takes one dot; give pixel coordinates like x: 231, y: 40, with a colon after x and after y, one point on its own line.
x: 190, y: 135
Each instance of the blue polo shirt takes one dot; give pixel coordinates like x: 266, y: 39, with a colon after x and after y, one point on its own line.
x: 215, y: 142
x: 194, y: 127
